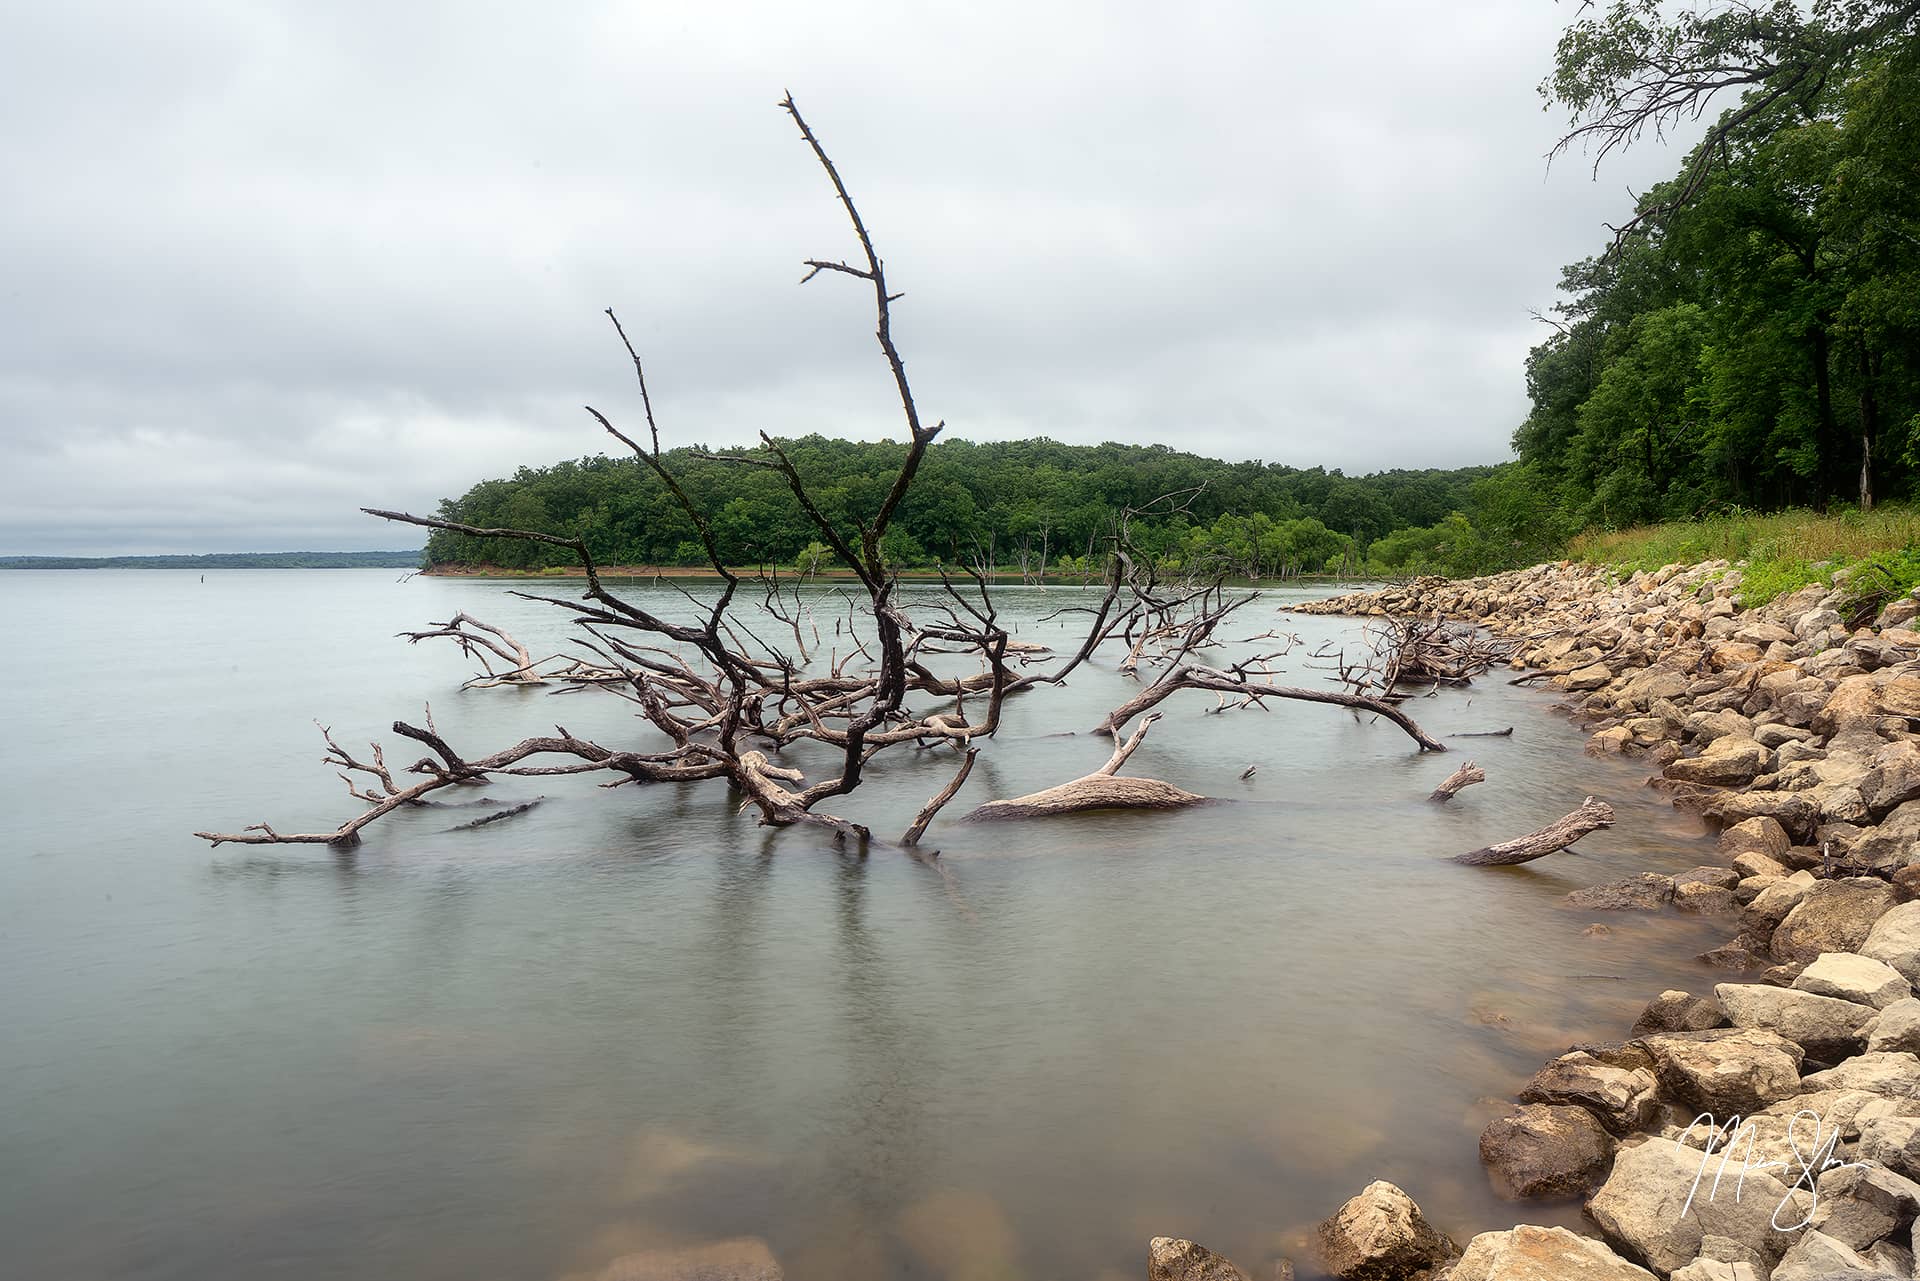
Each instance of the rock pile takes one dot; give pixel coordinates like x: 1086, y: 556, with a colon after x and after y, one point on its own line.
x: 1792, y: 726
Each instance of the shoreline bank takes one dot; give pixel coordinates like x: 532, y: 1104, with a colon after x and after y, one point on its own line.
x: 1792, y: 727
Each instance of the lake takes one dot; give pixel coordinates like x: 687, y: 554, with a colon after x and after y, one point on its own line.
x: 632, y: 1018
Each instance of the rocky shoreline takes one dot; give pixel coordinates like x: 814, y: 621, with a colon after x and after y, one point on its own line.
x: 1795, y: 1084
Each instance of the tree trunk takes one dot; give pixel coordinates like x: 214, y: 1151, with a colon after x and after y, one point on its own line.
x: 1466, y: 776
x: 1592, y: 815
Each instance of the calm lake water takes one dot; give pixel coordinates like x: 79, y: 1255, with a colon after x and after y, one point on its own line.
x: 634, y: 1018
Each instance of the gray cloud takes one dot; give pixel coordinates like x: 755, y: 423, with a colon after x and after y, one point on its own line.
x: 268, y: 262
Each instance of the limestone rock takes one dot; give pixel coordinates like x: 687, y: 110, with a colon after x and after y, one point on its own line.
x: 1894, y: 843
x: 1730, y: 761
x: 1835, y: 916
x: 1826, y: 1028
x: 1610, y: 742
x: 1852, y: 977
x: 1755, y: 835
x: 1643, y: 893
x: 1752, y: 863
x: 1705, y: 1269
x: 1853, y: 704
x: 1896, y: 1029
x: 1643, y: 1207
x: 1772, y: 904
x: 1593, y: 676
x: 1894, y: 778
x: 1380, y: 1235
x: 1859, y: 1205
x: 1895, y: 939
x: 1796, y: 813
x: 1818, y: 1257
x: 1739, y: 954
x: 1676, y: 1011
x: 1892, y: 1142
x: 1727, y: 1071
x: 1621, y: 1099
x: 1889, y: 1073
x: 1528, y: 1253
x: 1545, y: 1150
x: 1701, y: 899
x: 1171, y: 1259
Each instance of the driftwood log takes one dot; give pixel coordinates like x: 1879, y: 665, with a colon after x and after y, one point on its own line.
x: 1100, y: 790
x: 1592, y: 815
x: 1466, y: 776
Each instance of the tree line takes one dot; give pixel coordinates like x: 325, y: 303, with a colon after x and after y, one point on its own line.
x: 1751, y: 338
x: 1027, y: 506
x: 1748, y: 339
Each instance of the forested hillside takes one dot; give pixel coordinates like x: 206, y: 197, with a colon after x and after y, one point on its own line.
x: 1754, y: 338
x: 1748, y: 340
x: 1032, y: 505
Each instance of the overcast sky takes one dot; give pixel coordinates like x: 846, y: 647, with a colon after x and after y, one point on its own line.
x: 265, y: 263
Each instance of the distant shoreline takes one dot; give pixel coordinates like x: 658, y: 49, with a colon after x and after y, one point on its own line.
x: 225, y: 560
x: 1004, y: 574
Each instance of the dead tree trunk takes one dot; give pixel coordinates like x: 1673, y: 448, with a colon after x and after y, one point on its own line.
x: 1592, y: 815
x: 1101, y: 789
x: 1466, y: 776
x: 1235, y: 683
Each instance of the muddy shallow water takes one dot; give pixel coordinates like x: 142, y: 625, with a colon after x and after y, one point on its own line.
x: 633, y: 1018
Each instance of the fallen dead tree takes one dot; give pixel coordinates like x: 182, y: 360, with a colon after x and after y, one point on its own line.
x: 1592, y: 815
x: 726, y: 691
x: 1238, y: 688
x: 1466, y: 776
x: 1404, y: 651
x: 1101, y: 790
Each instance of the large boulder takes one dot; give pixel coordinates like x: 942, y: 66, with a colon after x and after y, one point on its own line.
x: 1893, y: 844
x: 1894, y: 778
x: 1729, y: 1071
x: 1900, y: 696
x: 1729, y: 761
x: 1527, y: 1253
x: 1545, y: 1150
x: 1891, y: 1074
x: 1892, y: 1142
x: 1895, y: 939
x: 1676, y: 1011
x: 1380, y: 1235
x: 1592, y: 676
x: 1171, y: 1259
x: 1702, y: 899
x: 1646, y: 892
x: 1648, y: 1207
x: 1854, y: 704
x: 1835, y: 916
x: 1621, y: 1099
x: 1819, y: 1257
x: 1825, y: 1027
x: 1771, y: 905
x: 1797, y: 813
x: 1861, y: 1204
x: 1897, y: 1028
x: 1761, y: 835
x: 1852, y: 977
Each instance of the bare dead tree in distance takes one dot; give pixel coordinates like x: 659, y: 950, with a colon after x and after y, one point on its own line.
x: 726, y: 701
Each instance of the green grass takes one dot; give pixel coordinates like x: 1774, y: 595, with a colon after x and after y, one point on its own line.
x: 1783, y: 552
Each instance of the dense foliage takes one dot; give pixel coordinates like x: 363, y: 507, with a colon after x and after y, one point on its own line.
x: 1031, y: 505
x: 1758, y: 343
x: 1748, y: 341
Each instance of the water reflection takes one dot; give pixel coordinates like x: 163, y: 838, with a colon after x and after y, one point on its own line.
x: 634, y: 1020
